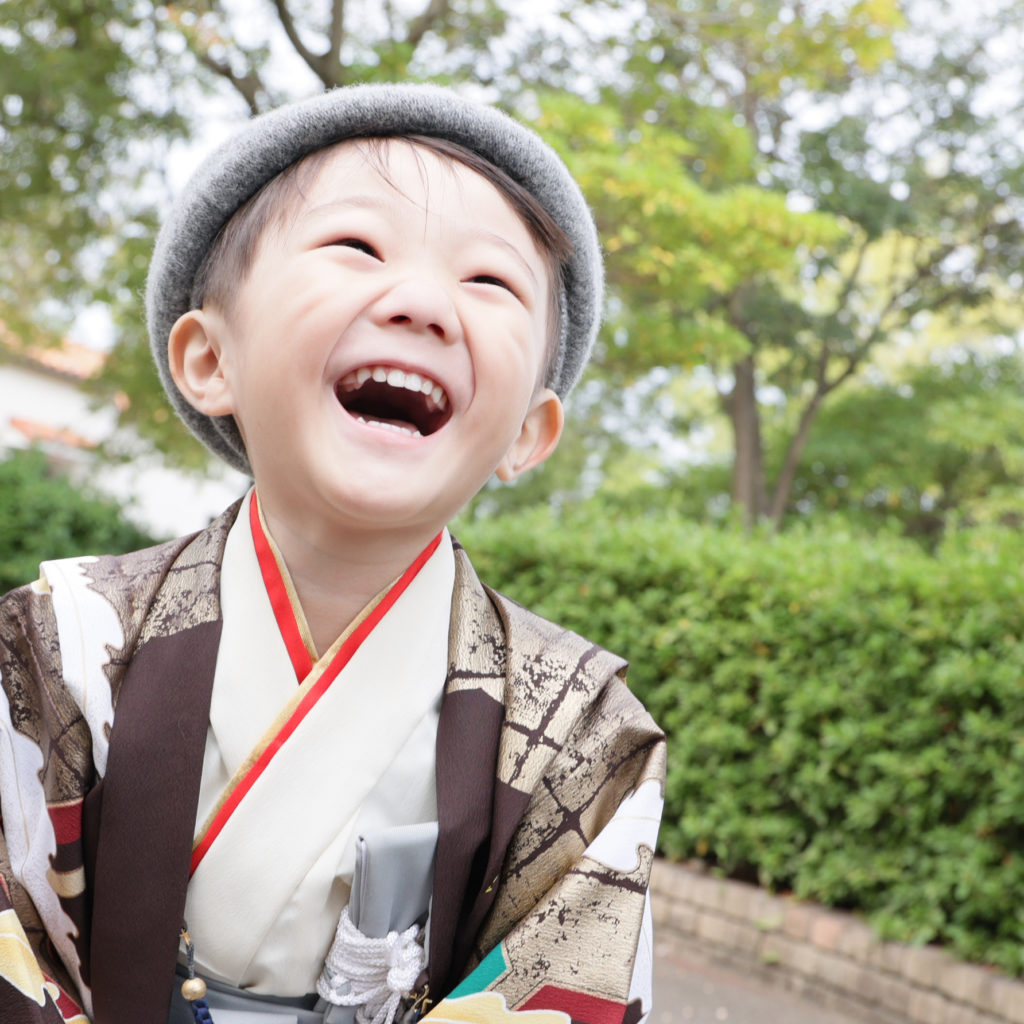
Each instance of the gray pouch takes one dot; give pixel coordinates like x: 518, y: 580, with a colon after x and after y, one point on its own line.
x: 391, y: 887
x: 393, y: 879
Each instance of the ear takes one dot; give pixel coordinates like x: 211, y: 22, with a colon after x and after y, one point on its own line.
x: 538, y: 438
x: 195, y: 359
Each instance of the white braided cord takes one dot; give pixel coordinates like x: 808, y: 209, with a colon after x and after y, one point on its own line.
x: 373, y: 975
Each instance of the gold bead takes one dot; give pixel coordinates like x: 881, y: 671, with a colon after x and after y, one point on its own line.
x: 193, y: 989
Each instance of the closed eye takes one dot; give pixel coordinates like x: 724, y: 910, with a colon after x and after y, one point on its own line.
x: 359, y: 244
x: 497, y: 282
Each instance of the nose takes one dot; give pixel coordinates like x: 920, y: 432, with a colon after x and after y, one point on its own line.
x: 420, y: 303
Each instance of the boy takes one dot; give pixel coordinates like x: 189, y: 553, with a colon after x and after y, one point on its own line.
x: 371, y: 301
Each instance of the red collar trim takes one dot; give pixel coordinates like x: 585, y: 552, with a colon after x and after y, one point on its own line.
x: 275, y: 588
x: 277, y: 591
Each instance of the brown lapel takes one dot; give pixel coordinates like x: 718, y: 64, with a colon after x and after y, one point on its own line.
x: 498, y: 652
x: 142, y: 815
x: 467, y: 746
x: 146, y: 820
x: 477, y: 813
x: 467, y: 751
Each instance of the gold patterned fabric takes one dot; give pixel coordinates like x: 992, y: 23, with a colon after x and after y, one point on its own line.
x: 549, y: 781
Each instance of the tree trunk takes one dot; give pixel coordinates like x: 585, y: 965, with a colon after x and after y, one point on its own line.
x: 748, y: 489
x: 784, y: 484
x: 823, y: 386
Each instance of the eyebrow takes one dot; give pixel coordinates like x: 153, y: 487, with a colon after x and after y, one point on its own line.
x: 372, y: 202
x: 365, y: 202
x: 495, y: 239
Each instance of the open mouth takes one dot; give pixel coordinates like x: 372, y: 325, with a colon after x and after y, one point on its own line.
x: 385, y: 396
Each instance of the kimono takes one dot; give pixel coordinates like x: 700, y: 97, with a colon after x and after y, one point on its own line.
x: 549, y: 782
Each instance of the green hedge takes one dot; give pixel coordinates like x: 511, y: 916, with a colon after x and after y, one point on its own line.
x: 845, y: 713
x: 42, y: 516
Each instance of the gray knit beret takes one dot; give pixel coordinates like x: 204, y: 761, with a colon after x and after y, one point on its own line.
x: 273, y: 141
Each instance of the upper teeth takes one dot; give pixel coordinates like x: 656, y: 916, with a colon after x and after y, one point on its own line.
x: 397, y: 379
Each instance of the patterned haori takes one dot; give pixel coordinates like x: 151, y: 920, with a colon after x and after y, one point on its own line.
x: 549, y: 781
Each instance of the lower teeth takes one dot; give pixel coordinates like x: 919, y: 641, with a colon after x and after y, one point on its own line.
x: 408, y: 431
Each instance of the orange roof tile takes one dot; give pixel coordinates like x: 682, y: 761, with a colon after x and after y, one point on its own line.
x: 34, y: 431
x: 70, y: 359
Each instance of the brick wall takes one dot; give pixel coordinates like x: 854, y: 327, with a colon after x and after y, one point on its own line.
x: 831, y: 957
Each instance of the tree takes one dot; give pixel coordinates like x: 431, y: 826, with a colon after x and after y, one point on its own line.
x: 782, y: 187
x: 682, y: 257
x: 940, y: 443
x: 894, y: 125
x: 75, y: 108
x: 86, y: 124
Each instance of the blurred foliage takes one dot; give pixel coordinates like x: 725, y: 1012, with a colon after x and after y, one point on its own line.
x: 843, y: 711
x: 939, y: 445
x: 84, y: 90
x: 676, y: 250
x: 923, y: 449
x: 895, y: 119
x: 785, y: 197
x: 43, y: 516
x: 783, y: 189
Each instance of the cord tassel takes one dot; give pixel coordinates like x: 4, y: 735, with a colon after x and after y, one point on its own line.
x: 193, y: 988
x: 374, y: 975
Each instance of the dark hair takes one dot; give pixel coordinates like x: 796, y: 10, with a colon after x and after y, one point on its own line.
x: 233, y: 252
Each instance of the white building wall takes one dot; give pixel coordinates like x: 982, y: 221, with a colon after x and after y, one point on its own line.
x: 165, y: 502
x: 168, y: 502
x: 32, y: 394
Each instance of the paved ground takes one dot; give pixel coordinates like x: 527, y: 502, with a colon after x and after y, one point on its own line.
x: 687, y: 992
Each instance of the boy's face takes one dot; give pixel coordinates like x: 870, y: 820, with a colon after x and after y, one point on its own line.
x: 382, y: 358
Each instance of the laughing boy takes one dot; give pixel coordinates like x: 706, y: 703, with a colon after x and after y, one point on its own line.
x: 371, y: 302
